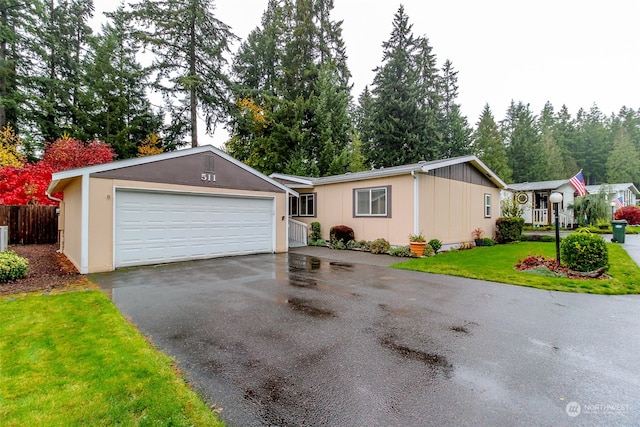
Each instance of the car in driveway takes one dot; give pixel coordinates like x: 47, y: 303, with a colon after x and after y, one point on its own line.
x: 296, y: 339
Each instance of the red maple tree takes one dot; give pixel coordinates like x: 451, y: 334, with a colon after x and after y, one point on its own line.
x: 28, y: 184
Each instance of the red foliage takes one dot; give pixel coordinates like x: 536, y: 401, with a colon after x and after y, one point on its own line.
x: 28, y: 185
x: 69, y: 153
x: 25, y: 185
x: 630, y: 213
x: 533, y: 261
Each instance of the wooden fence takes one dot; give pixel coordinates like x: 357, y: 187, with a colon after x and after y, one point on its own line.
x: 30, y: 224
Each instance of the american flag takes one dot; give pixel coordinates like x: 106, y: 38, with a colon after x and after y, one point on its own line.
x: 619, y: 202
x: 578, y: 183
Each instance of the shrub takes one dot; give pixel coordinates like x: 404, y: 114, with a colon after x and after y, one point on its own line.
x: 364, y: 245
x: 379, y: 246
x: 584, y: 251
x: 341, y: 233
x: 319, y: 242
x: 315, y: 231
x: 435, y: 244
x: 12, y: 266
x: 630, y: 213
x: 537, y: 238
x: 488, y: 241
x: 337, y: 244
x: 403, y: 251
x: 509, y: 229
x: 428, y: 251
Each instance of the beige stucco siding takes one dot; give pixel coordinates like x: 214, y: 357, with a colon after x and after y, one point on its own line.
x: 450, y: 209
x: 335, y: 207
x: 100, y: 225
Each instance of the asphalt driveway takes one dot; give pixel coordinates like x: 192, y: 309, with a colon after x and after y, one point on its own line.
x: 295, y: 339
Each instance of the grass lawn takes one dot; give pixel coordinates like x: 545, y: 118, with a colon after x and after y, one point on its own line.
x: 496, y: 264
x: 71, y: 359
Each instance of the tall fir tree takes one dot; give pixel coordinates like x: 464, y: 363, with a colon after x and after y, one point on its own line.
x: 593, y: 145
x: 293, y: 68
x: 398, y: 118
x: 189, y: 45
x: 552, y: 154
x: 524, y: 145
x: 489, y: 147
x: 454, y: 127
x: 623, y: 163
x: 121, y: 115
x: 565, y: 135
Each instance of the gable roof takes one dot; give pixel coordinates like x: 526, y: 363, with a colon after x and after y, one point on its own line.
x: 423, y: 167
x: 537, y: 186
x: 613, y: 188
x: 59, y: 178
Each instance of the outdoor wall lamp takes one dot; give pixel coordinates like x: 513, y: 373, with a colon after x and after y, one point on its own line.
x: 556, y: 198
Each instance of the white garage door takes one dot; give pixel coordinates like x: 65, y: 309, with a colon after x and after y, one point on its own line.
x: 155, y: 227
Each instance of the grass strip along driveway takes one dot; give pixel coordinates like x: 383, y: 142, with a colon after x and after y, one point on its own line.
x: 496, y: 264
x: 71, y: 359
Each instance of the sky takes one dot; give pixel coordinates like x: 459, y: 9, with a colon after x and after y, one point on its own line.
x: 569, y: 52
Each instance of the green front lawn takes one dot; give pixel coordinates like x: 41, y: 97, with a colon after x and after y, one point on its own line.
x: 73, y: 360
x: 496, y: 264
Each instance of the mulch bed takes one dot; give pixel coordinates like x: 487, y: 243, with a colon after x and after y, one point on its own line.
x: 48, y: 270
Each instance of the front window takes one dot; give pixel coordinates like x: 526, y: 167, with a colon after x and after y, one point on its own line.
x: 305, y: 205
x: 371, y: 202
x: 487, y: 205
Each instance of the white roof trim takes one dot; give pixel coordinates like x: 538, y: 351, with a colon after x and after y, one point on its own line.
x: 119, y: 164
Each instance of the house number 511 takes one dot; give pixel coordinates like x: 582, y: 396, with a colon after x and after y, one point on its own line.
x: 208, y: 177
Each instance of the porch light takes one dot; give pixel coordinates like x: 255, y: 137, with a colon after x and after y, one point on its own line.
x: 556, y: 198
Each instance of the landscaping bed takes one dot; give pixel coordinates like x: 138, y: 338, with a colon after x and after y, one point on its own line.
x: 48, y: 270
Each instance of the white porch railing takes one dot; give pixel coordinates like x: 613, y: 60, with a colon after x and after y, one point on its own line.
x: 298, y: 232
x: 541, y: 217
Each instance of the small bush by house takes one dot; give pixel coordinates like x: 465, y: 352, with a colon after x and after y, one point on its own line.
x: 379, y: 246
x: 341, y: 233
x: 583, y: 251
x: 435, y: 244
x: 509, y: 229
x: 12, y: 266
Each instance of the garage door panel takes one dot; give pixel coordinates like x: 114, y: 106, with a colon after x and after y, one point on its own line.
x: 154, y: 227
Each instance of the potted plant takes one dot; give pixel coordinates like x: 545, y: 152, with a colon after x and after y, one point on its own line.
x: 417, y: 243
x: 478, y: 236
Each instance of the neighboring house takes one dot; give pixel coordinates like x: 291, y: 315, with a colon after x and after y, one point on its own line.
x: 537, y: 210
x: 627, y: 192
x: 182, y: 205
x: 444, y: 199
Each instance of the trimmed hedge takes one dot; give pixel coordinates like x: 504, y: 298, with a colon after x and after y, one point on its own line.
x: 12, y: 266
x: 583, y: 251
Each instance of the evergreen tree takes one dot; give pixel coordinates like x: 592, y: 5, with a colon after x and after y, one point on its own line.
x: 524, y: 145
x: 565, y: 136
x: 593, y: 145
x: 189, y: 45
x: 398, y: 121
x: 552, y: 154
x: 454, y: 128
x: 623, y: 164
x: 294, y: 69
x: 121, y: 114
x: 488, y: 145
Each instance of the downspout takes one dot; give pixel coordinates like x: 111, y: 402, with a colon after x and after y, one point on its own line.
x: 416, y: 203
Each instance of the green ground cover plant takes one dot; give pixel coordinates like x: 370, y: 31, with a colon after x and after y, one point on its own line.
x: 72, y: 360
x: 496, y: 264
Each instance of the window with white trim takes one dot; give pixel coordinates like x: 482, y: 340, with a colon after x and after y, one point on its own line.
x: 487, y: 205
x: 305, y: 205
x: 371, y: 201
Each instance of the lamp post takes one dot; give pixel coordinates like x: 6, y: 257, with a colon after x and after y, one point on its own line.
x: 556, y: 198
x: 613, y: 206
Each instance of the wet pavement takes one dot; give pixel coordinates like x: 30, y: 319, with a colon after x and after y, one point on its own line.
x: 298, y: 339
